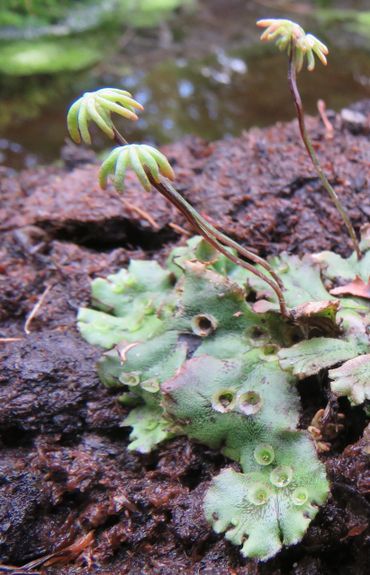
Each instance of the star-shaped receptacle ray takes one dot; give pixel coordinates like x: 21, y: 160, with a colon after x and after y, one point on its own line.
x: 286, y: 33
x: 144, y: 160
x: 97, y: 107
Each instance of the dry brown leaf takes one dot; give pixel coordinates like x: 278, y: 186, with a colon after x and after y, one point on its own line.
x: 357, y: 288
x: 356, y: 530
x: 65, y: 555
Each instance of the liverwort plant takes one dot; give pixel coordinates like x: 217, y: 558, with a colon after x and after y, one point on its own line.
x: 190, y: 356
x: 149, y: 164
x: 300, y: 46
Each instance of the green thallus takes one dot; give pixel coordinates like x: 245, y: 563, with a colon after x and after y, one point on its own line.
x: 236, y: 392
x: 291, y: 37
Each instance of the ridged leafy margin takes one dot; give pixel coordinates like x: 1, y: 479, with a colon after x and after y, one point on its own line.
x: 352, y: 379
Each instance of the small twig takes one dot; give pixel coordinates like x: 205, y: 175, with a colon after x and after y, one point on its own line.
x: 292, y: 78
x: 329, y: 130
x: 10, y: 339
x: 16, y: 570
x: 141, y: 213
x: 36, y: 309
x: 64, y: 555
x: 180, y: 230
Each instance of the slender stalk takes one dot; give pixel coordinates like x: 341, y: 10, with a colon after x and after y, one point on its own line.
x: 245, y: 253
x: 212, y: 230
x: 196, y: 219
x: 214, y: 237
x: 119, y: 138
x: 292, y: 78
x: 202, y: 227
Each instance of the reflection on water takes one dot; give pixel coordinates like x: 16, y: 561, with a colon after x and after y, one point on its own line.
x: 204, y: 74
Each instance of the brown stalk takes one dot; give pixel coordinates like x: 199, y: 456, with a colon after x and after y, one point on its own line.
x: 292, y: 78
x: 214, y: 237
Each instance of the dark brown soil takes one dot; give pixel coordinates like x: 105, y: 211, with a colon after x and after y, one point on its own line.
x: 65, y: 471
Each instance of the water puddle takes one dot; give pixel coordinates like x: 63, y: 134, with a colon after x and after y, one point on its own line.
x: 203, y: 73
